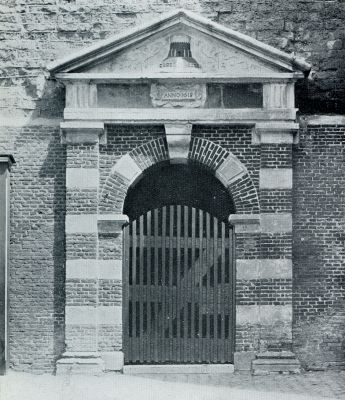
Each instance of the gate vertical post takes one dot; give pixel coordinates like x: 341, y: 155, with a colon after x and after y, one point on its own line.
x: 6, y: 162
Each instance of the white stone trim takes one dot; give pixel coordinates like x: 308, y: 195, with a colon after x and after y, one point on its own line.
x: 275, y: 178
x: 81, y: 223
x: 86, y: 315
x: 276, y: 223
x: 263, y: 314
x: 113, y: 360
x: 133, y: 116
x: 324, y: 120
x: 82, y: 178
x: 127, y: 168
x: 171, y: 19
x: 94, y: 269
x: 230, y: 170
x: 264, y: 269
x: 178, y: 138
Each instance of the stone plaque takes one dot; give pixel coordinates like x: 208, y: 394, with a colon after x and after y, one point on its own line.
x: 182, y: 95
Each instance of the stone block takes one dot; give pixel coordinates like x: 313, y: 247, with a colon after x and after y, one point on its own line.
x: 127, y: 168
x: 243, y: 360
x: 113, y: 360
x: 276, y: 223
x: 80, y: 364
x: 275, y: 178
x: 82, y: 178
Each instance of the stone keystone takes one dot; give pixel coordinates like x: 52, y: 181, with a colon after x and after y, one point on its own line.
x: 178, y: 138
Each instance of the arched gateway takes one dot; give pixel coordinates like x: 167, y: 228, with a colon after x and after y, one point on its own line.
x: 180, y: 97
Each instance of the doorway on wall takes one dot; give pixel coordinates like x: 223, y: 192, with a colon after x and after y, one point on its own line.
x: 178, y: 294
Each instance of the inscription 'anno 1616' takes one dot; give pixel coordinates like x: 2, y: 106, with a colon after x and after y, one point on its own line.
x: 179, y: 95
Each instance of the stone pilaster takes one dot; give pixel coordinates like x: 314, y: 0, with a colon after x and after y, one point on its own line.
x: 82, y: 305
x: 6, y: 162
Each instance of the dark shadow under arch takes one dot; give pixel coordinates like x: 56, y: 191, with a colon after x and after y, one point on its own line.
x: 186, y: 184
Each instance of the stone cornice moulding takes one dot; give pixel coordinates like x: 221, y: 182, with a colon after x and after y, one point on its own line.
x: 7, y: 159
x: 95, y: 77
x: 111, y: 224
x: 275, y: 132
x: 109, y: 46
x: 245, y: 223
x: 74, y: 132
x: 172, y: 115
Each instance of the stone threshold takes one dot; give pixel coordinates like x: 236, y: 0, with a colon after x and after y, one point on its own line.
x: 179, y: 369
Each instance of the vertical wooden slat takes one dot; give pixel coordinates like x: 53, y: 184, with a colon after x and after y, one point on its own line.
x: 233, y: 293
x: 134, y: 279
x: 222, y: 289
x: 192, y: 290
x: 208, y: 261
x: 148, y: 287
x: 125, y: 294
x: 141, y: 299
x: 199, y: 275
x: 170, y: 298
x: 178, y: 285
x: 214, y: 353
x: 156, y: 287
x: 164, y: 297
x: 185, y: 277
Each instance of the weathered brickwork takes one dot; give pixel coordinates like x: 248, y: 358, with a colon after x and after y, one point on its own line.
x: 109, y: 292
x: 81, y: 337
x: 83, y: 201
x: 81, y: 292
x: 80, y: 245
x: 82, y: 156
x: 237, y: 140
x: 276, y: 155
x: 271, y: 337
x: 110, y: 248
x: 109, y: 337
x: 263, y: 291
x: 37, y: 246
x: 277, y: 200
x: 318, y: 247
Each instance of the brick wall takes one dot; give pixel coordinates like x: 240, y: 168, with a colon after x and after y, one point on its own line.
x: 37, y: 246
x: 318, y: 247
x: 35, y: 32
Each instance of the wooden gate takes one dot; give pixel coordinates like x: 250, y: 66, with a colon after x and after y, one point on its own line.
x: 178, y: 288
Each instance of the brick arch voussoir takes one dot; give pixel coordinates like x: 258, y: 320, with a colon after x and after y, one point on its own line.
x: 229, y: 170
x: 126, y: 170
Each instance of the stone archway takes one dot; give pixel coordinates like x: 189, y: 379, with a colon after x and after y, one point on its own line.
x: 224, y: 165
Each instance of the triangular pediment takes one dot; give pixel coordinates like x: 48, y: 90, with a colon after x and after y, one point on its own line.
x: 214, y: 48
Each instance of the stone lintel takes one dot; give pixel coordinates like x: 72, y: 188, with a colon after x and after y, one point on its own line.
x: 127, y: 168
x: 82, y: 178
x: 263, y: 314
x: 111, y: 224
x: 178, y: 137
x: 7, y: 160
x: 81, y: 223
x: 82, y: 132
x: 245, y: 223
x: 275, y: 178
x: 94, y: 269
x: 275, y: 132
x: 88, y: 315
x: 276, y: 223
x: 280, y: 268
